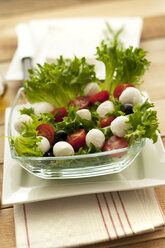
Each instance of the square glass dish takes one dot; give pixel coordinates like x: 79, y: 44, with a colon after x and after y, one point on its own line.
x: 67, y: 167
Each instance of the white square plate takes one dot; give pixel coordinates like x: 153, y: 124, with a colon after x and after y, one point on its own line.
x: 19, y: 186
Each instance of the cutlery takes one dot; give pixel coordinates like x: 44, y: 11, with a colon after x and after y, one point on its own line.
x: 25, y: 48
x: 2, y: 85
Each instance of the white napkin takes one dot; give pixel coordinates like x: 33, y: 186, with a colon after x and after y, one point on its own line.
x: 74, y: 36
x: 82, y: 220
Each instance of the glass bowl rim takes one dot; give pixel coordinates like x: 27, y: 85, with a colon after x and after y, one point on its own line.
x: 91, y: 155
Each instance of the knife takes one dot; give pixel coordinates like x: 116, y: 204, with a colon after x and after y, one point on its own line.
x: 25, y: 48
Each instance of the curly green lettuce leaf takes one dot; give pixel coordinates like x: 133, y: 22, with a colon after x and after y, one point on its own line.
x: 27, y: 111
x: 106, y: 131
x: 112, y: 36
x: 73, y: 121
x: 143, y: 123
x: 59, y: 83
x: 122, y: 65
x: 118, y: 106
x: 132, y: 66
x: 44, y: 118
x: 27, y: 143
x: 87, y: 150
x: 110, y: 56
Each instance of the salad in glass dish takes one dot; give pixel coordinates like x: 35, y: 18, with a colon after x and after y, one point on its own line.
x: 76, y: 125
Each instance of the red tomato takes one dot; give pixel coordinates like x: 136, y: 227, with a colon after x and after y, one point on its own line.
x: 120, y: 88
x: 62, y: 113
x: 81, y: 102
x: 101, y: 96
x: 107, y: 121
x: 114, y: 143
x: 77, y: 139
x: 46, y: 131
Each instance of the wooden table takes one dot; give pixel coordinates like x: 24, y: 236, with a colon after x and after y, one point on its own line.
x: 153, y: 40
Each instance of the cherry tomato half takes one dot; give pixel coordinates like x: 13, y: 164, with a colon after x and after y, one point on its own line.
x: 107, y: 121
x: 101, y: 96
x: 120, y: 88
x: 61, y: 114
x: 81, y: 102
x: 77, y: 139
x: 46, y: 131
x: 114, y: 143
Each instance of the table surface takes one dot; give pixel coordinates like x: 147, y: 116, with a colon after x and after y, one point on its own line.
x: 152, y: 40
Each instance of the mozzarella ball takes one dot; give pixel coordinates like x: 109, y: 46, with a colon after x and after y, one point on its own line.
x: 131, y: 95
x: 42, y: 107
x: 91, y: 89
x: 84, y: 114
x: 44, y: 144
x: 96, y: 137
x: 63, y: 148
x: 119, y: 126
x: 18, y: 124
x: 104, y: 108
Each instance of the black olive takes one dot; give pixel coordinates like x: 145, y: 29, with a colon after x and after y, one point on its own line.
x: 127, y: 108
x: 60, y: 135
x: 49, y: 153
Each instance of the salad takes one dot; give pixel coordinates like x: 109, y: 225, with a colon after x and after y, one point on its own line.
x: 72, y: 112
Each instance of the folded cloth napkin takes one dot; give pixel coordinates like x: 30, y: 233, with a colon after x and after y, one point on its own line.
x: 73, y: 36
x: 87, y: 219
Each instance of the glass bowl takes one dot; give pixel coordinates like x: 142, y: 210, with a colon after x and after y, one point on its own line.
x: 78, y: 166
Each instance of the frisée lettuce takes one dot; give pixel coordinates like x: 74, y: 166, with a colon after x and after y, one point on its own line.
x: 121, y: 65
x: 143, y: 123
x: 27, y: 143
x: 59, y: 83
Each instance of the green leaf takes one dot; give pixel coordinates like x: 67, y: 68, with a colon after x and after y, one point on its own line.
x: 106, y: 131
x: 87, y: 150
x: 26, y: 144
x: 122, y: 65
x: 27, y: 111
x: 110, y: 56
x: 132, y: 66
x: 143, y: 123
x: 117, y: 108
x: 73, y: 122
x: 59, y: 83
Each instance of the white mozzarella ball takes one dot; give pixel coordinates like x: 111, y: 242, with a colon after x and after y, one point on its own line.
x: 96, y: 137
x: 63, y: 148
x: 119, y: 126
x: 42, y: 107
x: 91, y: 89
x: 131, y: 95
x: 18, y: 124
x: 44, y: 144
x: 104, y: 108
x: 84, y: 114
